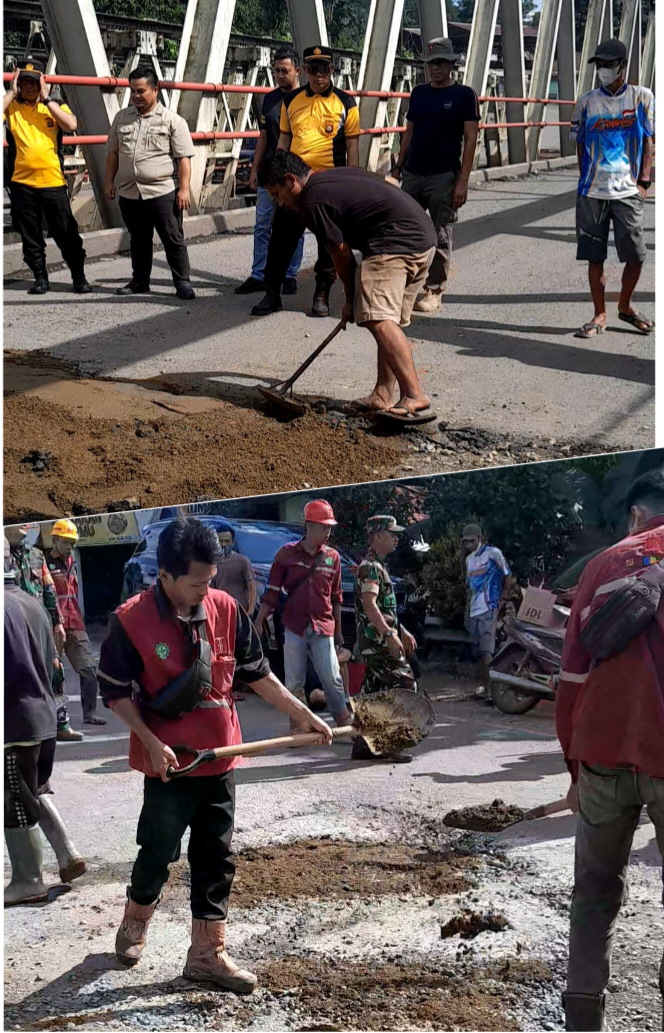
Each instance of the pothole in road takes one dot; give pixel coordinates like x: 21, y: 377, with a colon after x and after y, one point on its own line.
x: 327, y: 869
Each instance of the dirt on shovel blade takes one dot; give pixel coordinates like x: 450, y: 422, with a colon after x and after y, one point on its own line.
x: 384, y: 721
x: 484, y: 818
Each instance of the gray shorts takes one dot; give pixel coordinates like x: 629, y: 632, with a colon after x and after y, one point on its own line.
x: 594, y: 216
x: 483, y: 632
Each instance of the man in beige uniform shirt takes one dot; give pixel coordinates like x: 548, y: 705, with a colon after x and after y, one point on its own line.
x: 145, y: 142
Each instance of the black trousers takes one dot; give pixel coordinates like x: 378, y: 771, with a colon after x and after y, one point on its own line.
x: 30, y: 206
x: 27, y: 771
x: 287, y: 228
x: 204, y: 804
x: 142, y: 218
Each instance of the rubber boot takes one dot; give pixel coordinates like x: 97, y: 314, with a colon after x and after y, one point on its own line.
x: 72, y: 863
x: 133, y: 932
x: 584, y: 1013
x: 208, y: 962
x: 26, y: 855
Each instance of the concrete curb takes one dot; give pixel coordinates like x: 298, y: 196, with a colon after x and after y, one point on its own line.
x: 102, y: 243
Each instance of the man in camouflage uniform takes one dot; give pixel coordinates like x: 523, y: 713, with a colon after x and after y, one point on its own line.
x: 33, y: 576
x: 380, y: 637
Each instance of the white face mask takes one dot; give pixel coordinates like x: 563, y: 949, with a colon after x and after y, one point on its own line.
x: 608, y: 75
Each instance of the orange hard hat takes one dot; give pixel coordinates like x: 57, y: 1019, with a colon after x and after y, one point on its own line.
x: 319, y: 512
x: 65, y: 529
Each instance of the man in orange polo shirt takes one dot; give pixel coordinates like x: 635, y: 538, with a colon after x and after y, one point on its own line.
x: 181, y: 643
x: 35, y: 123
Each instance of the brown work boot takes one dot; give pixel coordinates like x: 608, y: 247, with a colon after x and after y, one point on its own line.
x: 208, y: 962
x: 133, y: 932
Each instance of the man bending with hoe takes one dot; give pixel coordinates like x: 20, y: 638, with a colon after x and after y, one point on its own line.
x: 180, y: 643
x: 352, y: 210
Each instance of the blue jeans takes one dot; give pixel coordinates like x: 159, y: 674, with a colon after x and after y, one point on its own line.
x: 324, y: 658
x: 264, y: 216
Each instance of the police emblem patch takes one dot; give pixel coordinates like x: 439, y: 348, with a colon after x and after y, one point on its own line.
x: 162, y: 650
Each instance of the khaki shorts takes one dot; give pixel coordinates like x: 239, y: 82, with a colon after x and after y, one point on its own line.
x: 388, y: 285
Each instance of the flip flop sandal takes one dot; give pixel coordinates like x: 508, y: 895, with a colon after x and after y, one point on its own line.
x: 590, y: 330
x: 404, y: 417
x: 635, y: 317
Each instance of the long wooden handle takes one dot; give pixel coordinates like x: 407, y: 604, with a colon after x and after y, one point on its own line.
x: 307, y: 362
x: 248, y: 749
x: 545, y: 809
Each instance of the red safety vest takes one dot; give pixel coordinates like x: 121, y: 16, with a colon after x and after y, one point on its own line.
x: 165, y: 650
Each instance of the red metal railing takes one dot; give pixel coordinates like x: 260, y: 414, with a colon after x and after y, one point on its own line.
x: 112, y: 82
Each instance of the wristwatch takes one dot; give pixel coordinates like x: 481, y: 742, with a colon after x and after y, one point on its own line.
x: 390, y: 633
x: 645, y: 183
x: 49, y: 100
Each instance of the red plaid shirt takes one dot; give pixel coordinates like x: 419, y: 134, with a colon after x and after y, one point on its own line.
x: 65, y: 580
x: 613, y: 713
x: 312, y: 585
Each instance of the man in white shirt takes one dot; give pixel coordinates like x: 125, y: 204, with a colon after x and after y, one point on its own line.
x: 613, y: 127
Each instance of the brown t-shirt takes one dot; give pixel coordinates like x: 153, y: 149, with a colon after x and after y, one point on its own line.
x: 356, y: 207
x: 234, y: 575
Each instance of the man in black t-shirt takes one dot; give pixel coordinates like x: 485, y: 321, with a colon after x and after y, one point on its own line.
x: 287, y: 76
x: 349, y: 210
x: 437, y: 154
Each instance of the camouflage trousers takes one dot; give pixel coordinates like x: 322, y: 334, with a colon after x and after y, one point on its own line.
x: 385, y: 672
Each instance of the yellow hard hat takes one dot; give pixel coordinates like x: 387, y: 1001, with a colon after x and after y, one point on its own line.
x: 65, y: 529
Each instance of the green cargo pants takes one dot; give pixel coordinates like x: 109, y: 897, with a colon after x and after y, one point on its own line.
x: 610, y: 804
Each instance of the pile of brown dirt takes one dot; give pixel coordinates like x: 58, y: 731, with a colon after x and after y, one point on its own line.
x: 407, y: 996
x: 111, y: 440
x: 326, y: 869
x: 470, y: 924
x: 484, y: 818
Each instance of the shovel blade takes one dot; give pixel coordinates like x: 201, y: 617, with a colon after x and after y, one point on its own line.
x: 285, y: 404
x: 393, y: 720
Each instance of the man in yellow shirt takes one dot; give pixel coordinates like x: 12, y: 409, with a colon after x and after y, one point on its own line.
x: 321, y: 124
x: 35, y: 123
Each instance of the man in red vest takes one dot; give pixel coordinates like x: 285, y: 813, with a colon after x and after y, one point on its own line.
x: 610, y: 722
x: 180, y: 644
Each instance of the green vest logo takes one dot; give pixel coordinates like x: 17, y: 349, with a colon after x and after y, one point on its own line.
x: 162, y: 650
x: 329, y: 561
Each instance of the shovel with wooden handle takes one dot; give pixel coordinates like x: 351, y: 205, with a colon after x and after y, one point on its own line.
x: 250, y: 749
x: 542, y: 811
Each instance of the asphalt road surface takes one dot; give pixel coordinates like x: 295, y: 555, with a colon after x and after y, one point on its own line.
x: 499, y: 355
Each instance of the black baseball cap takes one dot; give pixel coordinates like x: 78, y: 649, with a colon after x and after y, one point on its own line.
x: 610, y: 50
x: 317, y: 53
x: 31, y: 68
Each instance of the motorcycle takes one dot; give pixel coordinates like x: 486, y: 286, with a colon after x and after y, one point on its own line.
x: 526, y: 667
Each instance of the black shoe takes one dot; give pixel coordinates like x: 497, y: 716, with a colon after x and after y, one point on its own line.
x: 81, y: 286
x: 185, y: 291
x: 250, y: 286
x: 134, y: 288
x: 94, y: 719
x: 270, y: 303
x: 290, y: 285
x: 321, y: 305
x: 40, y: 286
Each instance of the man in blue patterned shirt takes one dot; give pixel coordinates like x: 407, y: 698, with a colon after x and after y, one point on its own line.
x: 613, y: 127
x: 490, y: 584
